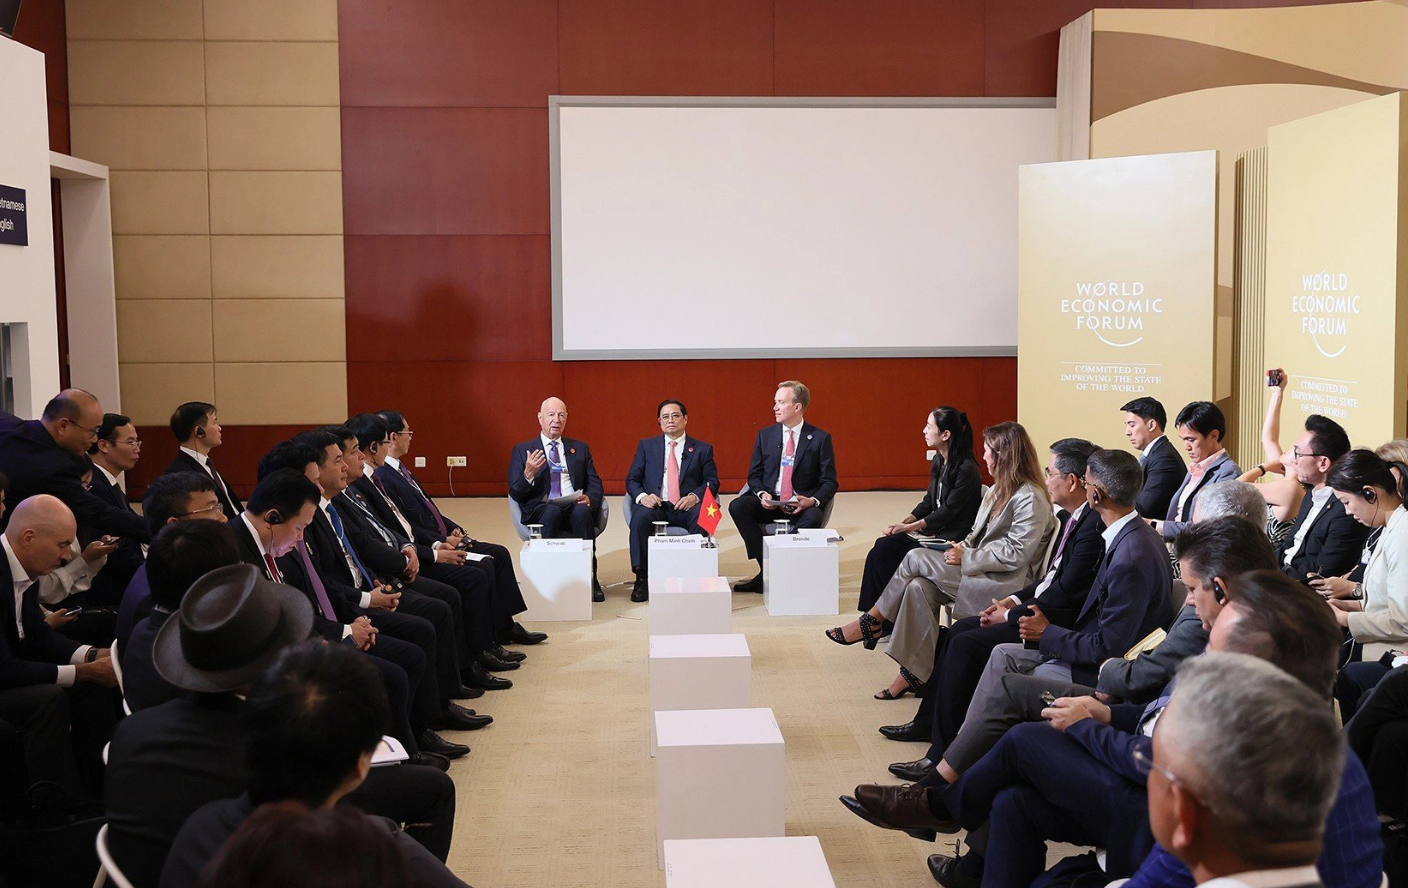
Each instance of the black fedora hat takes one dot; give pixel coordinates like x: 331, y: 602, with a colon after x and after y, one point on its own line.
x: 231, y: 624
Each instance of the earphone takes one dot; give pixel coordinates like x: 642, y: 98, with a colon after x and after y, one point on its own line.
x: 1370, y: 496
x: 1219, y: 594
x: 200, y: 432
x: 273, y: 518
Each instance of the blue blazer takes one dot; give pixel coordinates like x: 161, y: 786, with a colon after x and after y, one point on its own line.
x: 648, y: 468
x: 814, y: 469
x: 579, y: 465
x: 1225, y: 469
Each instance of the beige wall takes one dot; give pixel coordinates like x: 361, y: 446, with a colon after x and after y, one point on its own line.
x: 220, y: 122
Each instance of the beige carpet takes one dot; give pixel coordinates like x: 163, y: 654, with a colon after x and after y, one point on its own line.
x: 560, y: 789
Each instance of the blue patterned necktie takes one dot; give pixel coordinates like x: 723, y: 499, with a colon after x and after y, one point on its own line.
x: 554, y: 470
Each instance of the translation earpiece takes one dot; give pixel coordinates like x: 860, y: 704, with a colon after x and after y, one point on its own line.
x: 200, y: 432
x: 272, y: 518
x: 1219, y: 594
x: 1370, y: 496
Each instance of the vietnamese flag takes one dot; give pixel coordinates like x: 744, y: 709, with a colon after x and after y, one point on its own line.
x: 709, y: 513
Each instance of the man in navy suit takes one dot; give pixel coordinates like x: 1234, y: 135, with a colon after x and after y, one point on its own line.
x: 554, y: 481
x: 117, y: 449
x: 792, y: 475
x: 666, y: 481
x: 197, y: 428
x: 1144, y: 420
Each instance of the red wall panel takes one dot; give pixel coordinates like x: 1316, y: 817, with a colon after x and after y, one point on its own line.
x: 41, y: 26
x: 237, y: 458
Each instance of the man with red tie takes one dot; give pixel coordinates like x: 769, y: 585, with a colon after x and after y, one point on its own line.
x: 666, y: 481
x: 792, y: 475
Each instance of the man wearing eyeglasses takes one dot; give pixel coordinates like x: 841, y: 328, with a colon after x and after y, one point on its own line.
x: 1326, y: 541
x: 45, y: 456
x: 117, y: 449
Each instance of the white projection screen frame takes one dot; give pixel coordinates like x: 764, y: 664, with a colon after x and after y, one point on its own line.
x: 787, y: 227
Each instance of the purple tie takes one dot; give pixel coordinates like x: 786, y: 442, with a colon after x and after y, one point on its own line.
x: 555, y: 482
x: 1070, y: 526
x: 439, y: 521
x: 322, y: 593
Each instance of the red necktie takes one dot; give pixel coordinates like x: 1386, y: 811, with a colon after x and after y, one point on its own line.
x: 787, y: 492
x: 273, y: 568
x: 672, y: 473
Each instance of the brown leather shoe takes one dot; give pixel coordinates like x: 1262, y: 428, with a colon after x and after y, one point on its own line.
x: 904, y: 808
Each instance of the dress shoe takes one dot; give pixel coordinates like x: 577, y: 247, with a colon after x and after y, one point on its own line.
x: 905, y: 808
x: 912, y: 772
x: 429, y: 741
x: 908, y: 731
x: 516, y: 634
x: 493, y: 663
x: 598, y: 596
x: 641, y: 590
x: 507, y: 655
x: 479, y: 677
x: 753, y: 585
x: 429, y: 759
x: 457, y: 718
x: 464, y: 692
x: 949, y: 872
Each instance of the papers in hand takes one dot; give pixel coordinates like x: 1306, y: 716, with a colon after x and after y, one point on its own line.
x: 930, y: 542
x: 389, y: 752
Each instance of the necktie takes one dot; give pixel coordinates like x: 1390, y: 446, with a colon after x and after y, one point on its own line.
x: 439, y: 521
x: 361, y: 504
x: 347, y: 546
x: 791, y: 450
x: 395, y: 510
x: 219, y: 482
x: 273, y: 568
x: 672, y: 473
x: 1070, y: 526
x: 555, y: 479
x: 319, y: 591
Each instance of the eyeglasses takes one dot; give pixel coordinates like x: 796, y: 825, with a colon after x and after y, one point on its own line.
x: 1144, y: 763
x: 408, y: 433
x: 93, y: 432
x: 1295, y: 452
x: 130, y: 442
x: 1052, y: 473
x: 668, y: 416
x: 218, y: 509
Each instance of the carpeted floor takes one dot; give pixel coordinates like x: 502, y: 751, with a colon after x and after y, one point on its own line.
x: 559, y: 791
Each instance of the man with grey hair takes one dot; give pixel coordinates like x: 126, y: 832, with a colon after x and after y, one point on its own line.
x: 1234, y: 498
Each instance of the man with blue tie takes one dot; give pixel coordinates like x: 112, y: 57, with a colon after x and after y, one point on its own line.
x: 666, y: 481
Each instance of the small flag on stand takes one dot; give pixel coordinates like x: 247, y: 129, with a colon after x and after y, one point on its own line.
x: 709, y: 513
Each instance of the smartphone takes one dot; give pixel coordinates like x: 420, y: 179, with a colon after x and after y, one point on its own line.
x: 75, y: 611
x: 1275, y: 378
x: 1048, y: 698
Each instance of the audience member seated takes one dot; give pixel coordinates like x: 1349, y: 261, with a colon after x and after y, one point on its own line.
x: 666, y: 481
x: 1201, y: 426
x: 1276, y: 477
x: 1378, y: 735
x: 117, y: 450
x: 566, y: 498
x: 197, y: 429
x: 180, y: 554
x: 1004, y: 553
x: 314, y: 721
x: 66, y: 588
x: 1325, y: 540
x: 1144, y: 421
x: 947, y: 510
x: 42, y: 456
x: 1377, y: 608
x: 791, y: 476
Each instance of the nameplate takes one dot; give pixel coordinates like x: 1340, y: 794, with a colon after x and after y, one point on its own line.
x: 693, y: 541
x: 14, y: 216
x: 797, y: 541
x: 567, y: 545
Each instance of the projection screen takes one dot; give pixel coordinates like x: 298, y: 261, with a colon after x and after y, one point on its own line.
x: 753, y: 228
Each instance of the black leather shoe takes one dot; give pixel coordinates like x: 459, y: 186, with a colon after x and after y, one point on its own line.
x: 908, y: 731
x: 479, y: 677
x: 912, y: 772
x: 429, y: 741
x: 429, y: 759
x: 457, y: 718
x: 598, y: 596
x: 641, y: 590
x: 493, y: 663
x: 507, y: 655
x: 464, y: 692
x: 948, y: 872
x: 516, y: 634
x: 753, y: 585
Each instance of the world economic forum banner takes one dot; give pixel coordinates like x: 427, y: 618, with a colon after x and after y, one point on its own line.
x: 1115, y: 290
x: 1335, y: 281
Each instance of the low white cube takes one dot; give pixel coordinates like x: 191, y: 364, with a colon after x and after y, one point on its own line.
x: 784, y: 862
x: 699, y: 672
x: 556, y: 580
x: 719, y: 774
x: 681, y: 556
x: 690, y: 606
x: 801, y: 574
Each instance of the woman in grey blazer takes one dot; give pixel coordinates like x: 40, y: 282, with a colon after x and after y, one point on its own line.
x: 1003, y: 553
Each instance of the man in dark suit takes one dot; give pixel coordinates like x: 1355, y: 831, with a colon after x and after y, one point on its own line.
x: 791, y: 476
x: 169, y: 760
x: 46, y: 456
x: 314, y: 725
x: 391, y: 480
x: 65, y: 746
x: 117, y: 450
x: 197, y: 429
x: 554, y: 481
x: 1326, y: 541
x: 666, y: 481
x: 1144, y: 420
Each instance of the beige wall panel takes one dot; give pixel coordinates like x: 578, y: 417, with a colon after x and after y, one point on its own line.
x: 151, y: 391
x: 163, y: 331
x: 140, y: 138
x: 162, y: 266
x: 280, y: 330
x: 159, y: 202
x: 279, y: 394
x: 275, y: 138
x: 135, y: 72
x: 272, y: 74
x: 271, y: 20
x: 277, y: 267
x: 275, y: 203
x: 1363, y: 41
x: 144, y: 20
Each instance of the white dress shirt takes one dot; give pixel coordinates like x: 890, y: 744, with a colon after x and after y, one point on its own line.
x: 678, y: 444
x: 405, y: 524
x: 76, y: 576
x: 565, y: 477
x: 1148, y: 448
x: 796, y: 431
x: 67, y: 674
x: 1113, y: 530
x: 1276, y: 878
x: 1319, y: 498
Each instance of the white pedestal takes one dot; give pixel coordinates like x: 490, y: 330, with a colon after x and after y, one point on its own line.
x: 719, y: 774
x: 801, y: 574
x: 699, y: 672
x: 690, y: 606
x: 681, y: 556
x: 557, y: 580
x: 787, y: 862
